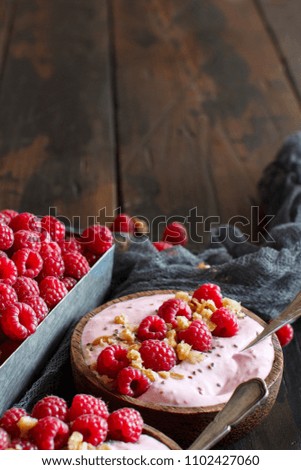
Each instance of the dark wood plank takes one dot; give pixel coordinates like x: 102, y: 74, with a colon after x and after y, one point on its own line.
x: 282, y: 19
x: 56, y: 116
x: 7, y: 10
x: 203, y: 104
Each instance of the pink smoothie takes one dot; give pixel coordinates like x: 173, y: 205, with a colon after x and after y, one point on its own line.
x: 209, y: 382
x: 145, y: 442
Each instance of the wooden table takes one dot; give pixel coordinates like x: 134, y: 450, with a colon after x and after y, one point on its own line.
x: 154, y: 106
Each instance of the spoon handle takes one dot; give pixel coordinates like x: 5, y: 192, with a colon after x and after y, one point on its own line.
x: 246, y: 397
x: 289, y: 314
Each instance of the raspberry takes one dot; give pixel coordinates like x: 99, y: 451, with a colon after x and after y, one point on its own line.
x: 52, y: 266
x: 70, y: 245
x: 38, y: 305
x: 50, y: 249
x: 44, y: 237
x: 8, y: 296
x: 226, y: 323
x: 4, y: 439
x: 9, y: 214
x: 93, y: 428
x: 157, y: 355
x: 87, y: 405
x: 132, y: 382
x: 161, y: 246
x: 209, y: 292
x: 69, y: 282
x: 27, y: 239
x: 18, y: 321
x: 6, y: 237
x: 91, y: 257
x: 111, y: 360
x: 76, y: 265
x: 4, y: 219
x: 197, y: 335
x: 97, y: 239
x: 123, y: 223
x: 8, y: 271
x: 125, y: 424
x: 52, y: 290
x: 285, y: 334
x: 22, y: 444
x: 50, y: 406
x: 54, y: 226
x: 26, y: 287
x: 172, y: 308
x: 10, y: 419
x: 50, y: 433
x: 3, y: 254
x: 175, y: 233
x: 152, y: 327
x: 29, y: 263
x: 7, y: 348
x: 26, y: 221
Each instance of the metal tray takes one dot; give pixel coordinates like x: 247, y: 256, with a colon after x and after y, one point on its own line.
x: 20, y: 369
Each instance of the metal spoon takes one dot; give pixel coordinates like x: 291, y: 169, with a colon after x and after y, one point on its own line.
x: 290, y: 313
x: 246, y: 397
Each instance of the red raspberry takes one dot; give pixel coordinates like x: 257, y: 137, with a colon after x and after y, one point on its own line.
x: 225, y: 321
x: 97, y: 239
x: 175, y: 233
x: 152, y: 327
x: 8, y: 296
x: 38, y: 305
x: 173, y: 308
x: 10, y: 419
x: 52, y: 290
x: 285, y: 334
x: 4, y: 439
x: 111, y: 360
x: 44, y: 237
x: 50, y: 249
x: 29, y: 263
x: 50, y: 406
x: 125, y: 424
x: 3, y: 254
x: 8, y: 271
x: 87, y: 405
x: 72, y: 244
x: 161, y: 246
x: 76, y: 265
x: 54, y: 226
x: 22, y: 444
x: 6, y: 237
x: 209, y: 292
x: 69, y: 282
x: 18, y: 321
x: 27, y: 239
x: 52, y: 266
x: 123, y: 223
x: 93, y: 428
x: 50, y: 433
x: 26, y: 287
x: 197, y: 335
x: 91, y: 257
x: 9, y: 214
x: 157, y: 355
x: 26, y: 221
x: 7, y: 348
x: 132, y: 382
x: 4, y: 219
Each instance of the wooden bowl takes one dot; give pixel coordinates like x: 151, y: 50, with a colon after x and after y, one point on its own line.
x: 150, y: 431
x: 183, y: 424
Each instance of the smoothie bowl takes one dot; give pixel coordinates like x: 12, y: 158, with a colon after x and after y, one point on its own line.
x: 176, y: 357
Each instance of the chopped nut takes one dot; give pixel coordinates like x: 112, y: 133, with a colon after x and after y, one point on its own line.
x: 103, y: 341
x: 120, y: 320
x: 150, y: 374
x: 127, y: 335
x: 183, y: 350
x: 171, y: 338
x: 175, y: 375
x: 103, y: 447
x: 164, y: 374
x: 75, y: 441
x: 183, y: 323
x: 233, y: 306
x: 194, y: 357
x: 135, y: 358
x: 183, y: 296
x: 25, y: 424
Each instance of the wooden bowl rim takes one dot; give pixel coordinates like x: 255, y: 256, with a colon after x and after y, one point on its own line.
x: 277, y: 367
x: 160, y: 436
